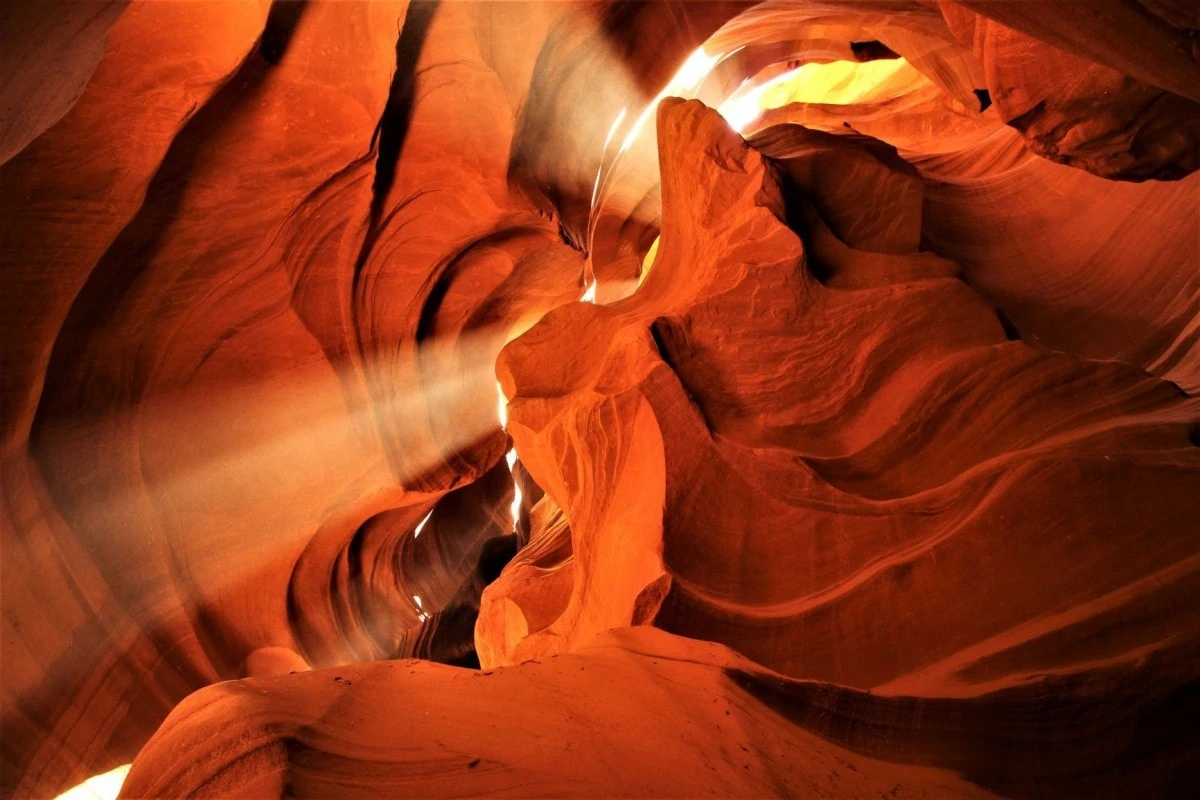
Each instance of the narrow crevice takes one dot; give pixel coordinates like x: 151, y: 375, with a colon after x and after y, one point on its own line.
x: 282, y: 21
x: 443, y: 275
x: 872, y: 51
x: 392, y: 129
x: 660, y: 333
x: 569, y: 240
x: 1010, y: 330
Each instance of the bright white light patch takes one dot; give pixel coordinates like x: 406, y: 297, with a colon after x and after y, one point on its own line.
x: 99, y: 787
x: 835, y: 83
x: 516, y: 504
x: 694, y: 70
x: 503, y: 407
x: 686, y: 80
x: 607, y: 141
x: 421, y: 524
x: 422, y: 614
x: 741, y: 111
x: 684, y: 83
x: 515, y: 508
x: 590, y: 295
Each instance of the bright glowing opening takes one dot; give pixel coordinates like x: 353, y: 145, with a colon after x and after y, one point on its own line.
x: 835, y: 83
x: 740, y: 111
x: 503, y: 406
x: 648, y: 260
x: 99, y: 787
x: 589, y: 296
x: 421, y: 524
x: 510, y: 457
x: 516, y: 503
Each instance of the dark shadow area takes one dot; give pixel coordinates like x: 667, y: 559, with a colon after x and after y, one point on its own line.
x: 392, y: 129
x: 872, y: 51
x: 1124, y: 731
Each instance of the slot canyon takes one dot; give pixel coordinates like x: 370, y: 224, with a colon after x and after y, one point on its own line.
x: 658, y: 398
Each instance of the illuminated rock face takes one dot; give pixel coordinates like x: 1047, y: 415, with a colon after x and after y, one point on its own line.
x: 902, y: 409
x: 802, y: 492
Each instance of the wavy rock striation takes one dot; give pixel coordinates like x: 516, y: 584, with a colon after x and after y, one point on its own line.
x: 886, y: 514
x: 577, y: 725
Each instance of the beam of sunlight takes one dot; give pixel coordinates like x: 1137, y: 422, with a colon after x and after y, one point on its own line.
x: 684, y: 83
x: 694, y: 70
x: 607, y: 141
x: 232, y: 480
x: 99, y: 787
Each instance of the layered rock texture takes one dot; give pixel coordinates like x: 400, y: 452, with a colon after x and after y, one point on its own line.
x: 793, y: 398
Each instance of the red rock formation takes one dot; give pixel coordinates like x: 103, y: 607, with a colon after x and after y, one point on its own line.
x: 639, y: 712
x: 253, y: 382
x: 809, y: 487
x: 1075, y: 111
x: 890, y: 409
x: 544, y: 729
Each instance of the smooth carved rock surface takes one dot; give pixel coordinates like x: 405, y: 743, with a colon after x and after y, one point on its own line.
x: 577, y: 724
x: 802, y: 491
x: 65, y: 39
x: 247, y: 294
x: 1075, y: 111
x: 905, y: 400
x: 569, y: 726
